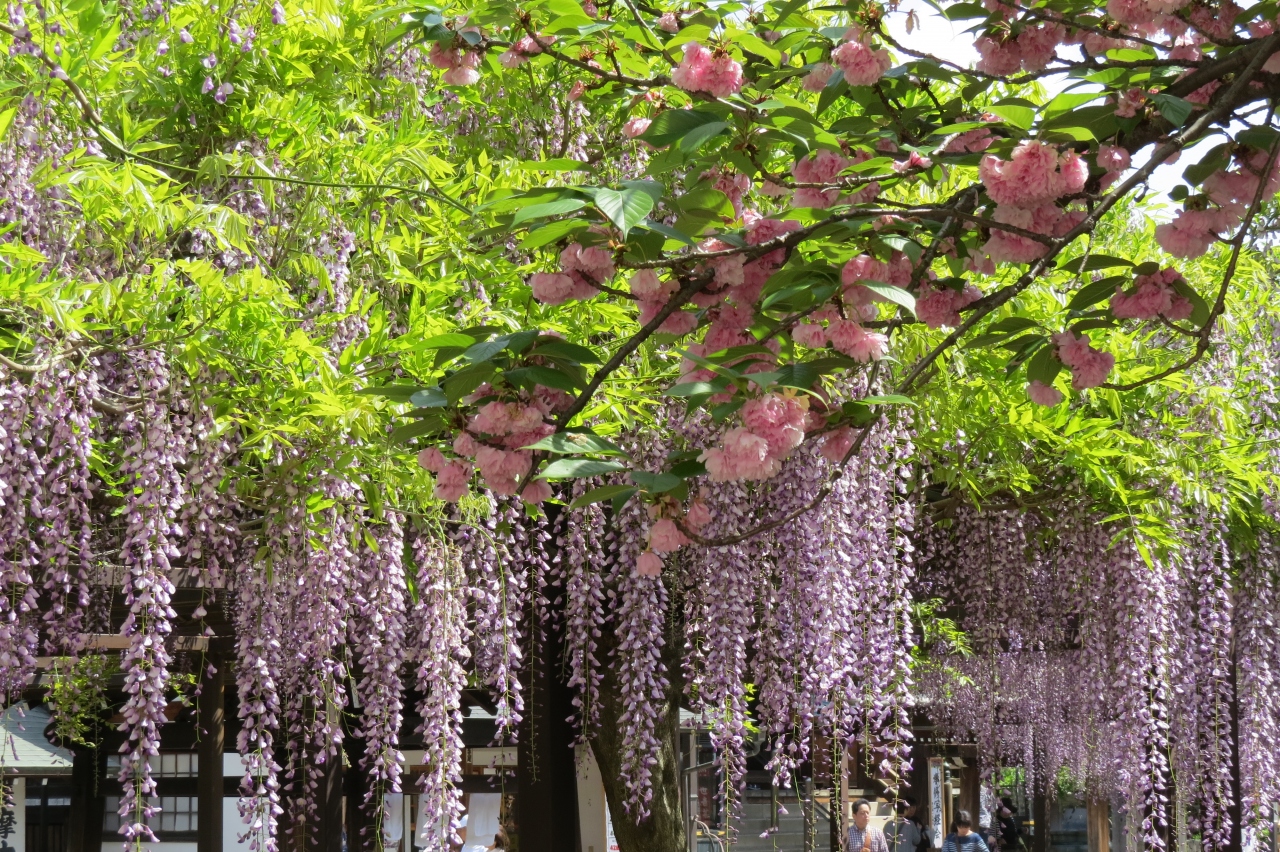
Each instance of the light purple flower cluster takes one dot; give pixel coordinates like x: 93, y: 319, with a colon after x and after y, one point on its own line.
x: 439, y: 639
x: 377, y: 632
x: 153, y: 498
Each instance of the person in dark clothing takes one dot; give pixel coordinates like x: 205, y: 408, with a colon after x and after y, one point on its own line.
x: 962, y: 837
x: 1010, y: 829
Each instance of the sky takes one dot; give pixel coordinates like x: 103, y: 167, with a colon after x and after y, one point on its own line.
x: 948, y: 40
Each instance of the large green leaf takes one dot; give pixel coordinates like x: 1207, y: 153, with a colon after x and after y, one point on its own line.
x: 627, y: 207
x: 579, y: 468
x: 567, y: 443
x: 674, y: 124
x: 551, y: 208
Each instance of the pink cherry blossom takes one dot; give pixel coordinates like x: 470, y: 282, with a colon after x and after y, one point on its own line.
x: 1031, y: 177
x: 855, y: 341
x: 816, y: 80
x: 971, y: 141
x: 665, y: 537
x: 451, y: 482
x: 1042, y: 394
x: 668, y: 23
x: 778, y: 419
x: 635, y: 127
x: 940, y: 306
x: 432, y: 459
x: 537, y: 491
x: 698, y: 515
x: 862, y: 65
x: 809, y: 334
x: 646, y: 286
x: 552, y: 288
x: 743, y: 456
x: 837, y: 444
x: 649, y: 564
x: 701, y: 70
x: 1089, y: 367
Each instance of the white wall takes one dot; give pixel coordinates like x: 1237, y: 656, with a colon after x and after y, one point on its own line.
x: 592, y: 810
x: 18, y: 838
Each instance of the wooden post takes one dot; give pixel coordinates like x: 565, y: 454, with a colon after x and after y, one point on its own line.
x: 88, y: 805
x: 360, y: 834
x: 1099, y: 825
x: 546, y: 806
x: 839, y: 782
x: 1040, y: 813
x: 209, y: 782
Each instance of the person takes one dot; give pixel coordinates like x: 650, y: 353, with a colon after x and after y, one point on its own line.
x: 962, y: 837
x: 1010, y: 830
x: 907, y: 833
x: 864, y: 837
x: 500, y: 840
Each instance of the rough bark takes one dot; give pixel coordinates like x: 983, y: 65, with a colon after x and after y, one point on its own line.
x: 663, y: 831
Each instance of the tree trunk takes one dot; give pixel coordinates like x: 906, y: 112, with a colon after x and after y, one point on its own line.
x: 547, y: 787
x: 663, y: 831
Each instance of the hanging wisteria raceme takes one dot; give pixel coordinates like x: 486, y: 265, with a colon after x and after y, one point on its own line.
x: 793, y: 663
x: 260, y: 631
x: 580, y: 557
x: 716, y: 652
x: 497, y: 586
x: 1258, y: 681
x: 1202, y: 679
x: 315, y: 669
x: 377, y: 631
x: 20, y: 474
x: 209, y: 517
x: 640, y: 612
x: 65, y: 416
x: 153, y: 498
x: 440, y: 639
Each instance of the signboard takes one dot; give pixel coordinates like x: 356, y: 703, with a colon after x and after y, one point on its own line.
x: 936, y: 810
x: 610, y: 842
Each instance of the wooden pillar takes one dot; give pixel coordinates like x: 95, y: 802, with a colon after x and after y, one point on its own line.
x: 1040, y: 814
x: 1099, y: 825
x: 88, y: 805
x: 546, y: 806
x: 360, y: 834
x: 209, y: 783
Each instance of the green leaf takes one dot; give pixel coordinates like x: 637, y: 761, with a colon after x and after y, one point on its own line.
x: 1199, y: 307
x: 754, y: 44
x: 694, y: 139
x: 698, y: 388
x: 888, y: 399
x: 689, y: 469
x: 627, y: 207
x: 1019, y: 116
x: 604, y: 492
x: 552, y: 232
x: 442, y: 341
x: 1044, y: 366
x: 395, y: 393
x: 1094, y: 261
x: 551, y: 208
x: 655, y: 483
x: 897, y: 295
x: 1175, y: 109
x: 579, y: 468
x: 1087, y: 297
x: 6, y: 119
x: 417, y: 429
x: 430, y: 398
x: 566, y: 350
x: 528, y: 377
x: 567, y: 443
x: 674, y: 124
x: 465, y: 381
x: 667, y: 231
